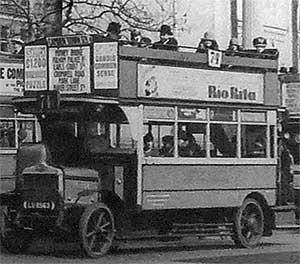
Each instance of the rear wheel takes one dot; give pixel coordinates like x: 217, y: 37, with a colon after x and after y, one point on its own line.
x: 249, y: 224
x: 96, y: 230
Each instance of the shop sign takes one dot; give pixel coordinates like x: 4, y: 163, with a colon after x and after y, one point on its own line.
x: 11, y: 79
x: 69, y: 69
x: 35, y: 64
x: 196, y: 84
x: 106, y: 65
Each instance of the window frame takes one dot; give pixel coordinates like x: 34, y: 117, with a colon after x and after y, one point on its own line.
x: 216, y: 160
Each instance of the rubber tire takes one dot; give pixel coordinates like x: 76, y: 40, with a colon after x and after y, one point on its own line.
x: 84, y: 225
x: 238, y: 237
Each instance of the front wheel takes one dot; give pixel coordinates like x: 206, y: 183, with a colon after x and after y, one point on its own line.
x: 249, y: 224
x: 96, y: 230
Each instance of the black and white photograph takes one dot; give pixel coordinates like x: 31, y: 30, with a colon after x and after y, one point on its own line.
x: 149, y: 131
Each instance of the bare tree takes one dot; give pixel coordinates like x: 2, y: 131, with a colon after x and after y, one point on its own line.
x: 89, y: 16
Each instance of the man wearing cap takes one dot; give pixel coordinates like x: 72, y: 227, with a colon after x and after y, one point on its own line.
x: 260, y: 43
x: 207, y: 42
x: 167, y: 40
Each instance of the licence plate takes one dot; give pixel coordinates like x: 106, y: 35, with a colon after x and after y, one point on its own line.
x: 39, y: 205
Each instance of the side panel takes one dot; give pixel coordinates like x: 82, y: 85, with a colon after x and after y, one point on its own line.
x: 167, y: 186
x: 128, y: 79
x: 272, y: 89
x: 7, y: 172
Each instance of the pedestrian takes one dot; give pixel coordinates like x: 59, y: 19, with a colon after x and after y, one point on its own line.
x: 286, y: 172
x: 167, y: 40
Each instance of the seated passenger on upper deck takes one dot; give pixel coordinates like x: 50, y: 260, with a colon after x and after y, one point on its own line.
x: 149, y: 150
x: 207, y: 42
x: 260, y: 51
x: 136, y: 39
x: 167, y: 40
x: 113, y: 31
x: 233, y: 47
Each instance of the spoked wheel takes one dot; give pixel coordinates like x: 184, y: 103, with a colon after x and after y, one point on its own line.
x: 96, y: 230
x: 13, y: 240
x: 249, y: 224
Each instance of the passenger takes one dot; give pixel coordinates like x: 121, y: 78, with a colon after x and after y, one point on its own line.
x: 233, y: 47
x: 135, y: 37
x: 207, y: 42
x: 113, y: 31
x: 167, y: 149
x: 4, y: 142
x: 259, y: 147
x: 187, y: 146
x: 149, y: 151
x: 167, y: 40
x: 22, y: 134
x: 145, y: 42
x: 138, y: 40
x: 260, y: 43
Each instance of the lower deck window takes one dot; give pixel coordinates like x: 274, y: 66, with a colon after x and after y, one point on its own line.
x: 254, y: 141
x: 223, y: 140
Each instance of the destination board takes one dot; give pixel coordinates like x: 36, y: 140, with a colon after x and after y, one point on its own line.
x: 69, y: 69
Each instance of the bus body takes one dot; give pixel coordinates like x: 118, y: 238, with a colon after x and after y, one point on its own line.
x: 11, y: 85
x: 212, y: 166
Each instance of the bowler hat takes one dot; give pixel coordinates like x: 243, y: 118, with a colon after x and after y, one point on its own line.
x: 114, y: 27
x: 165, y: 30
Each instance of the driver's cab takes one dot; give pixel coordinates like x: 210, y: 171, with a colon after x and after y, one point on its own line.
x: 80, y: 139
x: 92, y: 143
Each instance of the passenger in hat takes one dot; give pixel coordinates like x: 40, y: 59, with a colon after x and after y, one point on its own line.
x: 167, y: 40
x: 207, y: 42
x: 260, y: 43
x: 138, y: 40
x: 233, y: 47
x: 187, y: 146
x: 167, y: 149
x: 113, y: 31
x: 149, y: 150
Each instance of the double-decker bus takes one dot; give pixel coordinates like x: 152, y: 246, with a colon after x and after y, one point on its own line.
x: 11, y: 85
x: 143, y: 143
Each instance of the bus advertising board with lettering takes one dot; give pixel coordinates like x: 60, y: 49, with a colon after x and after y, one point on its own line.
x: 35, y: 68
x: 106, y: 65
x: 196, y: 84
x: 11, y: 79
x: 69, y: 69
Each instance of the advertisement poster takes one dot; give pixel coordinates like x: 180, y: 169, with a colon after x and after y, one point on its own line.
x: 11, y: 79
x: 69, y: 69
x: 291, y: 97
x: 35, y: 68
x: 196, y: 84
x: 106, y: 65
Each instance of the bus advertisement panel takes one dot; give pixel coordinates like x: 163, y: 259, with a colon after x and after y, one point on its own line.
x: 35, y: 68
x: 198, y: 84
x: 11, y: 79
x: 69, y: 70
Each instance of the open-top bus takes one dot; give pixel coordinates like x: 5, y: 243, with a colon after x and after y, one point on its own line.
x: 93, y: 177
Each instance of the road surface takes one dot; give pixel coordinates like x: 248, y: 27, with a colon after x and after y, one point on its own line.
x: 282, y: 247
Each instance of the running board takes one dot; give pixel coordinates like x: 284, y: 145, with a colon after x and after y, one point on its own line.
x: 183, y: 230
